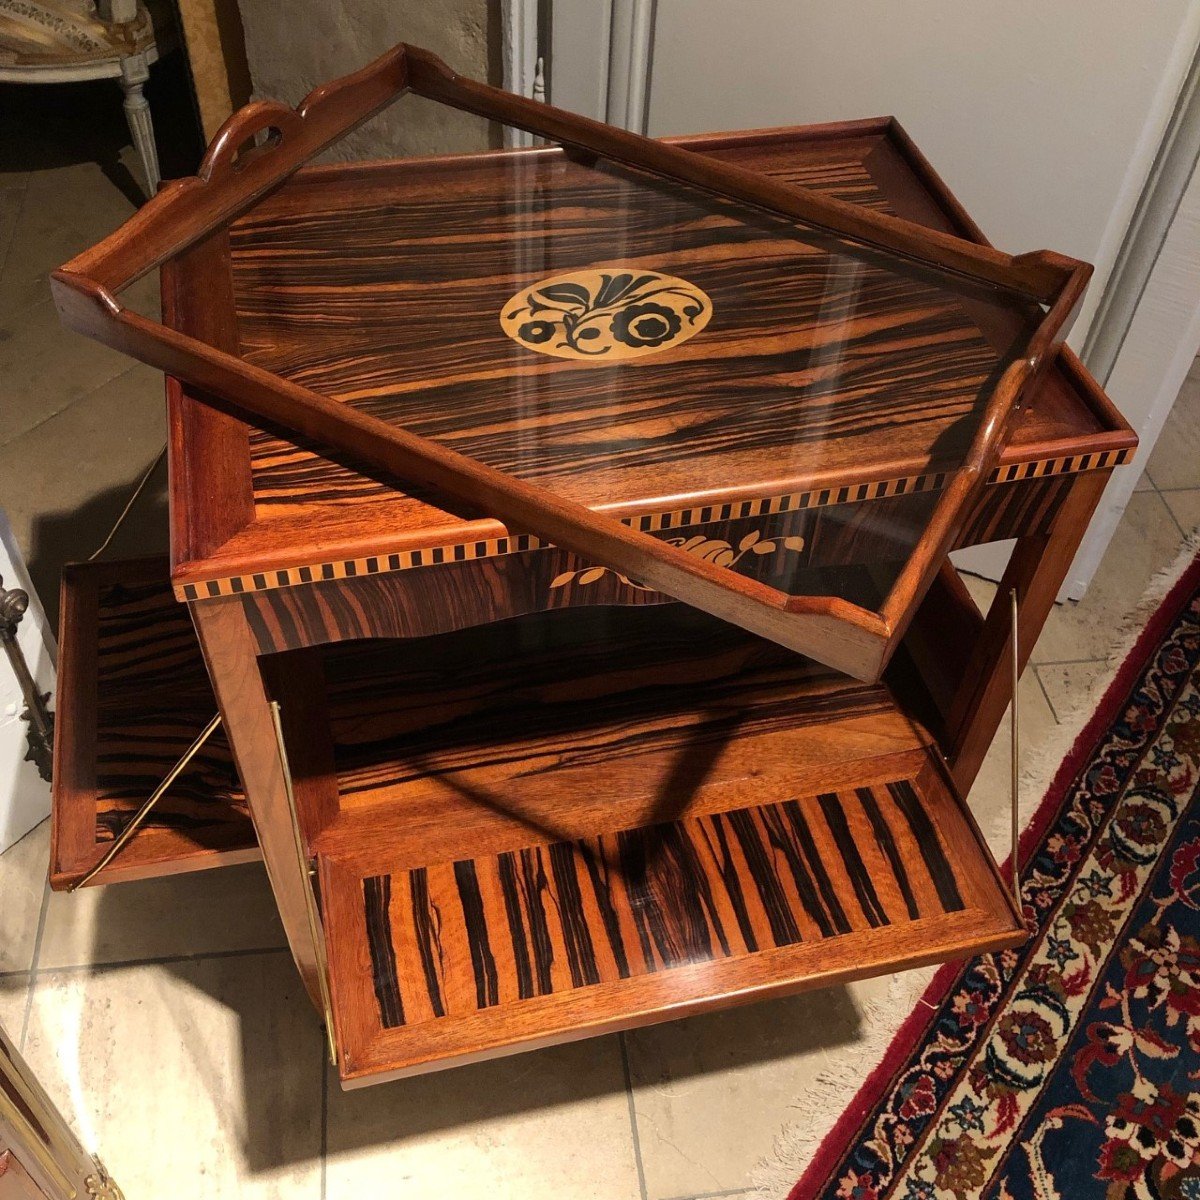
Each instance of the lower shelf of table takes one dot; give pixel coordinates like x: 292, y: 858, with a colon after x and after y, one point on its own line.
x: 133, y: 694
x: 541, y: 830
x: 460, y: 960
x: 590, y: 823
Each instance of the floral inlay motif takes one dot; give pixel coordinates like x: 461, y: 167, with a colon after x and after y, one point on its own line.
x: 606, y: 315
x: 716, y: 550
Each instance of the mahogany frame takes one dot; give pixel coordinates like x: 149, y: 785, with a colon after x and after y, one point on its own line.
x: 233, y: 176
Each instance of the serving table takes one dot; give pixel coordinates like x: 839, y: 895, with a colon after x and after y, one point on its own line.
x: 507, y: 788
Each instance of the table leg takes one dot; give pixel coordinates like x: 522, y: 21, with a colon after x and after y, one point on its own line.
x: 232, y: 657
x: 134, y: 74
x: 1037, y: 568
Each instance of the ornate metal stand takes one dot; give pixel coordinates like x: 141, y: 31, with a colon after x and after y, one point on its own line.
x: 13, y: 603
x: 37, y: 1143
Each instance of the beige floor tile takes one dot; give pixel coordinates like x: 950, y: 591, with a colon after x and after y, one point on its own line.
x: 69, y: 207
x: 1175, y: 460
x: 23, y: 870
x: 198, y: 1079
x: 231, y: 908
x: 549, y: 1123
x: 990, y: 796
x: 64, y: 483
x: 1146, y: 541
x: 711, y: 1093
x: 1069, y: 685
x: 45, y: 367
x: 11, y: 200
x: 982, y: 591
x: 1185, y: 508
x: 14, y: 991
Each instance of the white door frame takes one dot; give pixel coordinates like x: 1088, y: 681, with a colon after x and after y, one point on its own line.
x: 1145, y: 333
x: 603, y: 51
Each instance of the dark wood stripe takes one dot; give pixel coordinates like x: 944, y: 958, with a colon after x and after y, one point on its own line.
x: 725, y: 864
x: 534, y: 891
x: 516, y: 926
x: 602, y: 888
x: 482, y: 962
x: 784, y: 930
x: 886, y: 841
x: 581, y: 954
x: 864, y: 890
x: 795, y: 816
x: 377, y: 902
x: 778, y: 834
x: 936, y: 862
x: 427, y: 934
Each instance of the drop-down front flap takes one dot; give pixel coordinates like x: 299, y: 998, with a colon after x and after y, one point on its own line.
x: 132, y: 696
x: 597, y: 820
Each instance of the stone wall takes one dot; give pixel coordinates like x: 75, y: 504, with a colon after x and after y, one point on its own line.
x: 294, y: 45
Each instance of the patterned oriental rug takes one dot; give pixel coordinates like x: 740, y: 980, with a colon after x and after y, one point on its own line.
x: 1068, y: 1069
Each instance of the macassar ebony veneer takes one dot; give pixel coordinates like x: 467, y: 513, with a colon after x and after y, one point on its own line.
x: 586, y: 820
x: 132, y: 695
x: 520, y: 794
x: 550, y: 338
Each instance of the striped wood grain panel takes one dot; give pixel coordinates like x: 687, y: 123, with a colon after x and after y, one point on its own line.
x: 698, y: 518
x: 389, y: 299
x: 152, y: 698
x: 452, y: 939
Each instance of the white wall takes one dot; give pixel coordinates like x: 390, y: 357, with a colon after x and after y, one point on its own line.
x: 292, y: 46
x: 1042, y: 117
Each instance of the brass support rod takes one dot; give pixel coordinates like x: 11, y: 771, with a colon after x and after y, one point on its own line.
x: 310, y: 900
x: 1015, y: 860
x: 122, y: 839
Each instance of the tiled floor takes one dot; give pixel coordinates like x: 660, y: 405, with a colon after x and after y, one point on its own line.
x: 167, y: 1019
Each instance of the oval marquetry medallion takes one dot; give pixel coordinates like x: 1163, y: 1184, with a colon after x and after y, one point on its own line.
x: 606, y: 315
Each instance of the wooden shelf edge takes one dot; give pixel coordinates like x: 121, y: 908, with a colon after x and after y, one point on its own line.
x: 994, y: 935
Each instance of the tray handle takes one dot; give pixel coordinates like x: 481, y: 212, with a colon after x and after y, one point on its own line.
x: 236, y: 144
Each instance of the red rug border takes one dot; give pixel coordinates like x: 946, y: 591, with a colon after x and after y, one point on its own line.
x: 835, y: 1143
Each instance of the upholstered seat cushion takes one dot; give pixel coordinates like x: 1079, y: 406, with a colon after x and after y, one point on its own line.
x: 47, y: 33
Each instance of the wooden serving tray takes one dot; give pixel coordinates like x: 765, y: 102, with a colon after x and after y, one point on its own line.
x: 589, y: 820
x: 878, y: 316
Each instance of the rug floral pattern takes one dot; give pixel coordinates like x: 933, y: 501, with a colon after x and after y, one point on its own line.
x: 1071, y: 1068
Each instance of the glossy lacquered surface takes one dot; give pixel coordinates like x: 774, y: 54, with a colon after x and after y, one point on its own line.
x: 287, y: 505
x: 586, y: 817
x: 579, y: 807
x: 132, y: 696
x: 593, y: 309
x: 442, y: 297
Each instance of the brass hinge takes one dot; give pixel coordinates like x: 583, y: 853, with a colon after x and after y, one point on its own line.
x: 307, y: 872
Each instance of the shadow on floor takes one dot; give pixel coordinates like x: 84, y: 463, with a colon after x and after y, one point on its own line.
x: 63, y: 537
x: 280, y: 1098
x: 53, y: 125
